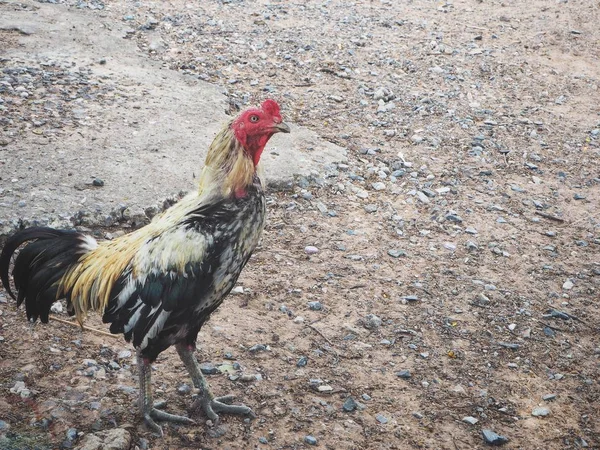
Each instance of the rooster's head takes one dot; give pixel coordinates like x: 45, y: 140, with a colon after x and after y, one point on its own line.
x: 255, y: 126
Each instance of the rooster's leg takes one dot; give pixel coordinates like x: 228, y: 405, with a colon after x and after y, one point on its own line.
x: 149, y: 410
x: 210, y: 404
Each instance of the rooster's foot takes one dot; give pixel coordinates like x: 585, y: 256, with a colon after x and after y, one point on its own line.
x: 156, y: 414
x: 211, y: 406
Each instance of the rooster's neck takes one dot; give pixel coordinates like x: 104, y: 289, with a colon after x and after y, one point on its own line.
x: 229, y: 168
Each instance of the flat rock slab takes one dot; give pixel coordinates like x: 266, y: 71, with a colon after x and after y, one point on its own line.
x: 139, y: 129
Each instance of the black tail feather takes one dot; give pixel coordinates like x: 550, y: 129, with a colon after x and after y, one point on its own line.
x: 39, y: 266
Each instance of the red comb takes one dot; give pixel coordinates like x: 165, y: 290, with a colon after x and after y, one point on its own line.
x: 270, y: 107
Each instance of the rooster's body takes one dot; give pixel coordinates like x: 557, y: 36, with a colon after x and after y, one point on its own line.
x: 159, y: 284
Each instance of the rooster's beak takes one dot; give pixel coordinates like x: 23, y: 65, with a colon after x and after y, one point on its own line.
x: 281, y: 127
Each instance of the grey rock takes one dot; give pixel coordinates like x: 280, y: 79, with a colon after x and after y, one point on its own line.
x: 349, y: 405
x: 471, y: 246
x: 422, y: 197
x: 371, y: 322
x: 549, y: 332
x: 492, y: 438
x: 454, y: 218
x: 258, y: 348
x: 549, y: 397
x: 470, y: 420
x: 394, y: 253
x: 509, y: 345
x: 381, y: 419
x: 302, y: 361
x: 208, y: 368
x: 404, y: 374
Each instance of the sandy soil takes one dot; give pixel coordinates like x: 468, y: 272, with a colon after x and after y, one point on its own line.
x: 488, y: 113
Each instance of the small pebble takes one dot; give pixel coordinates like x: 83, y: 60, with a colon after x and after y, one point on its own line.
x: 449, y: 246
x: 124, y: 354
x: 184, y: 389
x: 540, y: 411
x: 470, y: 420
x: 403, y: 374
x: 71, y: 434
x: 310, y: 250
x: 315, y: 306
x: 302, y: 362
x: 257, y: 348
x: 310, y: 440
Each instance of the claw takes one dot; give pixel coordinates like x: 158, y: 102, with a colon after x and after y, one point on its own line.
x: 227, y: 399
x: 153, y: 425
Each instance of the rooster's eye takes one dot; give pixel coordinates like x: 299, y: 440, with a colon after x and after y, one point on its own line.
x: 253, y: 118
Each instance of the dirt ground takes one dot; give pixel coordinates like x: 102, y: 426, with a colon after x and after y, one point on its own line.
x: 465, y: 219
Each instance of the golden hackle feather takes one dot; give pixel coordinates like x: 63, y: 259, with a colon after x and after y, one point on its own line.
x: 228, y: 168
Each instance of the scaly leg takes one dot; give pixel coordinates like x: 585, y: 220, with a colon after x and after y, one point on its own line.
x: 210, y: 404
x: 148, y: 409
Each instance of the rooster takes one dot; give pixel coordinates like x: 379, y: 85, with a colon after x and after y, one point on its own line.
x: 159, y: 284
